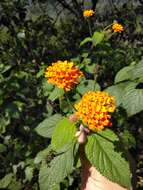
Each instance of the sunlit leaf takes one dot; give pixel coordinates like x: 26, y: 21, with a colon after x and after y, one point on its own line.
x: 46, y: 127
x: 63, y: 134
x: 103, y: 152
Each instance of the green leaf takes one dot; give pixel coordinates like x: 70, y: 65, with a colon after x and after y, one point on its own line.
x: 128, y: 139
x: 4, y: 122
x: 90, y: 68
x: 97, y: 38
x: 15, y: 185
x: 56, y: 93
x: 86, y: 61
x: 102, y: 152
x: 63, y: 134
x: 140, y: 79
x: 123, y: 75
x: 133, y: 99
x: 64, y: 106
x: 4, y: 35
x: 2, y: 148
x: 6, y: 68
x: 88, y: 85
x: 12, y: 110
x: 6, y: 180
x: 29, y: 173
x: 46, y: 87
x: 60, y: 167
x: 41, y: 72
x: 128, y: 96
x: 46, y: 127
x: 86, y: 40
x: 137, y: 71
x: 42, y: 155
x: 85, y: 55
x: 56, y: 187
x: 131, y: 72
x: 117, y: 91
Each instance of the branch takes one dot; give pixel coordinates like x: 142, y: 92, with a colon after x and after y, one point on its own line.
x: 77, y: 6
x: 58, y: 14
x: 66, y: 6
x: 94, y: 3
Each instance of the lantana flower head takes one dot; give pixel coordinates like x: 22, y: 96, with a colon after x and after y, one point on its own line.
x: 116, y: 27
x: 94, y: 109
x: 88, y: 13
x: 63, y: 74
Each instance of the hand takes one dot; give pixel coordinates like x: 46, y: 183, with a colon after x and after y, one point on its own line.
x: 91, y: 178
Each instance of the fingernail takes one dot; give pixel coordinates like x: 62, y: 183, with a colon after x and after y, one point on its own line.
x: 78, y: 133
x: 82, y: 138
x: 82, y: 128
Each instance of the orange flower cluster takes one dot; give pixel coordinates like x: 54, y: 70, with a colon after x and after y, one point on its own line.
x: 88, y: 13
x: 94, y: 108
x: 63, y: 74
x: 117, y: 27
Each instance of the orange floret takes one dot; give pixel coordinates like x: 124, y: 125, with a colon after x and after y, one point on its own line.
x: 88, y: 13
x: 94, y: 108
x: 63, y: 74
x: 116, y: 27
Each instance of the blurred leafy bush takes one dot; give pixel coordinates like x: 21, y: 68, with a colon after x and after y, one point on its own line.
x: 30, y: 39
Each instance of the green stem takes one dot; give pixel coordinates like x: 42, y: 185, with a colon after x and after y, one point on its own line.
x: 70, y: 104
x: 96, y: 75
x: 60, y: 102
x: 89, y: 26
x: 107, y: 27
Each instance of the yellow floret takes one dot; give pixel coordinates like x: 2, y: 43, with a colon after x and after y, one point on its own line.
x: 94, y: 108
x: 63, y: 74
x: 117, y: 27
x: 88, y: 13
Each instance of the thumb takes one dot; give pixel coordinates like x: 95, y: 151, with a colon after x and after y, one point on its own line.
x: 82, y: 139
x: 82, y: 134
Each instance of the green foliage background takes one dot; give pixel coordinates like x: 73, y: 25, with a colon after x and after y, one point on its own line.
x: 32, y: 35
